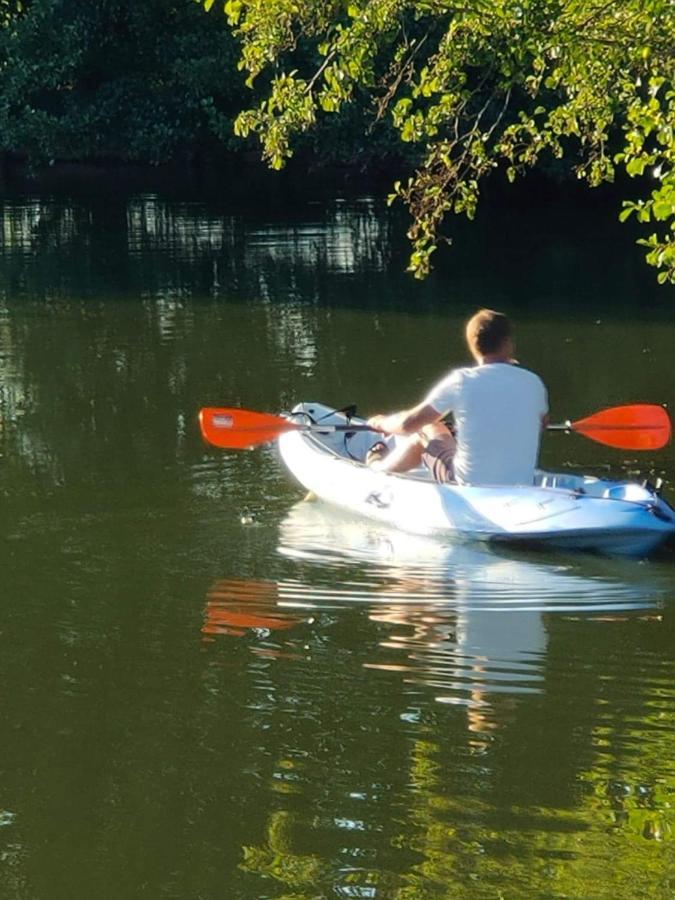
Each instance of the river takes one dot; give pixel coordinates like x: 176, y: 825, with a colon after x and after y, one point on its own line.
x: 214, y: 690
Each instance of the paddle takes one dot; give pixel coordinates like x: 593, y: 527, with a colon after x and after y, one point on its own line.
x: 641, y: 426
x: 241, y: 429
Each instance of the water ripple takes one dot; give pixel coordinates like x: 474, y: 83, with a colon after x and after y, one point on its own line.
x: 460, y: 621
x: 403, y: 568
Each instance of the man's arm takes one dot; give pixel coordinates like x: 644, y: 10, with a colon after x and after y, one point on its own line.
x: 408, y: 421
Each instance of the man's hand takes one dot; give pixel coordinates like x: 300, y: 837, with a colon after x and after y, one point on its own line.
x: 383, y: 424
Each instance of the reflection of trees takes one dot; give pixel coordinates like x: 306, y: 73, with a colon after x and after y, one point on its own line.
x: 526, y: 827
x: 12, y: 391
x: 278, y: 859
x: 37, y: 226
x: 566, y: 793
x: 90, y: 369
x: 133, y: 373
x: 60, y: 245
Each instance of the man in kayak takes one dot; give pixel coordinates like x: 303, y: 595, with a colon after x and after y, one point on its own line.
x: 498, y: 410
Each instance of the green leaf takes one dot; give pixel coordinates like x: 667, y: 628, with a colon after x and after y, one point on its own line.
x: 662, y: 210
x: 636, y: 166
x: 233, y: 10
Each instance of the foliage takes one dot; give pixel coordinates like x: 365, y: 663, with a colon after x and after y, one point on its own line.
x: 476, y: 85
x: 277, y: 859
x: 113, y: 79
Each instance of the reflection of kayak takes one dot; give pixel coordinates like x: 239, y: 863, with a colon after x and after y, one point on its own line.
x: 465, y: 619
x: 560, y: 510
x: 408, y: 568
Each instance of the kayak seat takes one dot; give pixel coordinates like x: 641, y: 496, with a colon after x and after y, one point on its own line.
x: 561, y: 482
x: 634, y: 493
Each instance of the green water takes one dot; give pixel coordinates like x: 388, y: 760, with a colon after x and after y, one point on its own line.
x: 211, y: 690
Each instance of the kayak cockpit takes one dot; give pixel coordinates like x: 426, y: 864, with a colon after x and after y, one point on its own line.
x: 355, y: 445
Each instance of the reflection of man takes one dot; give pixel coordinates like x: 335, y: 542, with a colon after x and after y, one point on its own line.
x: 480, y: 659
x: 498, y: 411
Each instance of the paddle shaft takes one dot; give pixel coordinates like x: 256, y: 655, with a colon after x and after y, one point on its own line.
x: 325, y: 429
x: 570, y: 426
x: 561, y: 426
x: 332, y: 429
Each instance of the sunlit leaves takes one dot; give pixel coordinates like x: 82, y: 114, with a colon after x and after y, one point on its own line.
x: 476, y: 86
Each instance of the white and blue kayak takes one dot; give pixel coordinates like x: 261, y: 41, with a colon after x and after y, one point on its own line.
x: 574, y: 512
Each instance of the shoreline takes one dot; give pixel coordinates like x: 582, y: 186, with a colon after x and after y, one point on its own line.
x: 245, y: 177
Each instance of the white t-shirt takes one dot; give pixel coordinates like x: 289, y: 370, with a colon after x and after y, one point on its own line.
x: 497, y: 409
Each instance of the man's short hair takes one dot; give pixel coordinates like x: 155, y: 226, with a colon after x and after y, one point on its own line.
x: 487, y: 330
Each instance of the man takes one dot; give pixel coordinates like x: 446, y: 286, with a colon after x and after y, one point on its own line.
x: 498, y: 410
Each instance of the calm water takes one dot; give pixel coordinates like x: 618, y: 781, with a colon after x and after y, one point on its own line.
x: 213, y: 690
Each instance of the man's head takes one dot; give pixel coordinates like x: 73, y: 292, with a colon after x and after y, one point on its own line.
x: 489, y: 334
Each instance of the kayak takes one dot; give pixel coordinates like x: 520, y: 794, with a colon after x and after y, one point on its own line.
x: 559, y: 510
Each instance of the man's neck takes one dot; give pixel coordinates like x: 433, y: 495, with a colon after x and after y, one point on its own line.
x: 490, y: 358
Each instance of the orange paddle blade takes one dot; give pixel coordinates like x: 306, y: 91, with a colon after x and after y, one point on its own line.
x: 642, y: 426
x: 239, y: 429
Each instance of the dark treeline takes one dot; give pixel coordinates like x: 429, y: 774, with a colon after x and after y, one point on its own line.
x: 115, y: 80
x: 151, y: 82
